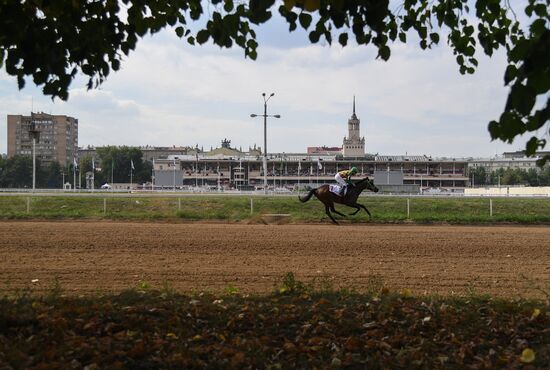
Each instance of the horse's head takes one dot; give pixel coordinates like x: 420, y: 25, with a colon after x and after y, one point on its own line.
x: 369, y: 184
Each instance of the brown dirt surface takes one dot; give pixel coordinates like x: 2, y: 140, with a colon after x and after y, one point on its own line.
x: 91, y: 257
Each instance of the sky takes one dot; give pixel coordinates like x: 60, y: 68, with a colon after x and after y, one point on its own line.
x: 169, y: 93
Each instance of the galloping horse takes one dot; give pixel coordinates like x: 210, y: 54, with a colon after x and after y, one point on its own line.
x: 328, y: 198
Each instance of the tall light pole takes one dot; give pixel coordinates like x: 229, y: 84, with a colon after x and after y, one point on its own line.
x: 265, y: 115
x: 35, y: 135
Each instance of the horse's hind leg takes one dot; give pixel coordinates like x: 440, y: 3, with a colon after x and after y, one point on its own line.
x: 327, y: 211
x: 357, y: 209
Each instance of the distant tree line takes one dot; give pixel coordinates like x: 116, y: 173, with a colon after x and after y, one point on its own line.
x: 511, y: 176
x: 113, y: 164
x: 16, y: 172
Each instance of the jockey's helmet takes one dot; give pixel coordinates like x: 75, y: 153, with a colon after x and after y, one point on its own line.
x: 353, y: 170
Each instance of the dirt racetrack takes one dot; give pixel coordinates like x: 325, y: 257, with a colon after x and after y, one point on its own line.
x: 89, y: 256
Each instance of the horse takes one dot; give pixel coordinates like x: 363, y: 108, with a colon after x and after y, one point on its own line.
x: 328, y: 198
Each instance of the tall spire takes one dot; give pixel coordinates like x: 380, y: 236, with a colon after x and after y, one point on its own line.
x: 353, y: 116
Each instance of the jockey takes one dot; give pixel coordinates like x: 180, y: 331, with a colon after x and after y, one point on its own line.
x: 344, y: 179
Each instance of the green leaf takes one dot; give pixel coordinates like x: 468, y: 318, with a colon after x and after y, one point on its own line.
x: 423, y: 32
x: 179, y: 31
x: 384, y: 52
x: 203, y: 36
x: 228, y: 6
x: 343, y: 39
x: 434, y: 37
x: 314, y: 36
x: 403, y: 37
x: 531, y: 146
x: 541, y: 10
x: 252, y: 54
x: 305, y: 20
x: 468, y: 30
x: 191, y: 40
x: 115, y: 63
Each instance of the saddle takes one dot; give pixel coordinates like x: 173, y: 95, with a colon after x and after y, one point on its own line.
x: 336, y: 189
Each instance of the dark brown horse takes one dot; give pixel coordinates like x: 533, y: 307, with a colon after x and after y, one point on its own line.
x: 328, y: 198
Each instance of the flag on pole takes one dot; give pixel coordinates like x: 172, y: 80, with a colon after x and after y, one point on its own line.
x: 132, y: 164
x: 93, y: 164
x: 75, y: 163
x: 319, y: 165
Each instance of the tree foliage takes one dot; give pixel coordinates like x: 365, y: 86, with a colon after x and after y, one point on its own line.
x: 116, y: 160
x: 53, y: 41
x: 51, y: 176
x: 16, y: 172
x: 511, y: 176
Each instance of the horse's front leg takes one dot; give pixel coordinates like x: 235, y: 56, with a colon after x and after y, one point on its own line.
x: 335, y: 211
x: 365, y: 208
x: 357, y: 209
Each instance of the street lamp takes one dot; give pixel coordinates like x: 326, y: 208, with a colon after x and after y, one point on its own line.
x: 265, y: 115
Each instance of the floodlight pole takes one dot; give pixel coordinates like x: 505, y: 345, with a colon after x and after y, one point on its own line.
x: 33, y: 164
x: 34, y: 133
x: 265, y: 115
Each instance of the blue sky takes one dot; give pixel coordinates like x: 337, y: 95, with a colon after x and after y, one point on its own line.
x: 170, y: 93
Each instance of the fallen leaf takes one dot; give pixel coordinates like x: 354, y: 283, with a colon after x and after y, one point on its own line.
x: 527, y: 356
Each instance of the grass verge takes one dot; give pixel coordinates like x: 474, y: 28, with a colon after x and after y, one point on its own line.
x: 243, y: 208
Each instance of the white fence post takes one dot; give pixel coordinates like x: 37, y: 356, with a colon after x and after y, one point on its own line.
x: 251, y: 205
x: 28, y: 204
x: 491, y: 207
x: 408, y: 207
x: 104, y: 205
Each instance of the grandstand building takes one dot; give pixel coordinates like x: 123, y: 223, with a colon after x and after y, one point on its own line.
x: 244, y: 171
x: 232, y: 168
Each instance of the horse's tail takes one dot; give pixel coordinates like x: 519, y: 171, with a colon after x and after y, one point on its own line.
x: 308, y: 196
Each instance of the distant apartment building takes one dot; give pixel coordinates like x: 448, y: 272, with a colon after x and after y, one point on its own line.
x: 58, y: 140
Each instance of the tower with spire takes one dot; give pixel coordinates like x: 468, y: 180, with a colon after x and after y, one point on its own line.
x: 354, y: 144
